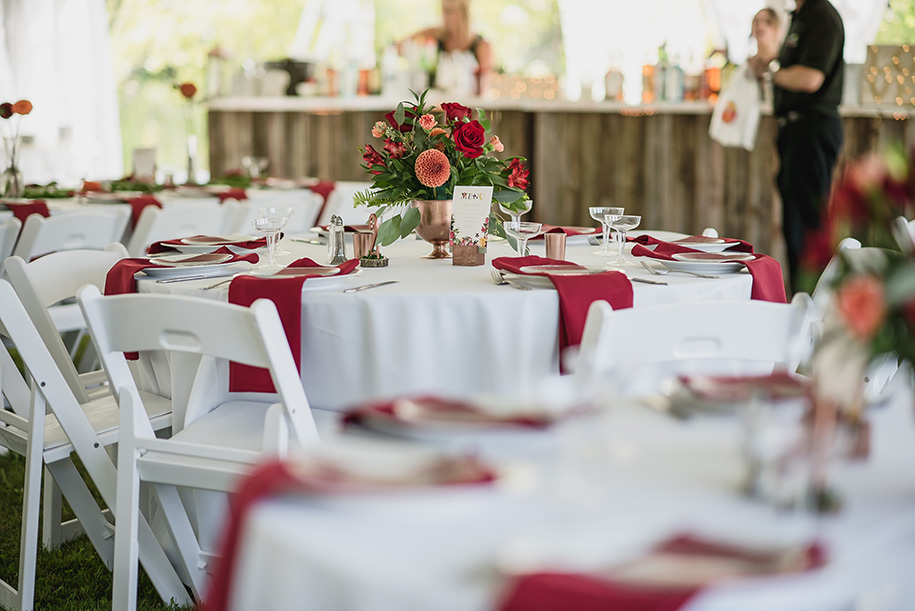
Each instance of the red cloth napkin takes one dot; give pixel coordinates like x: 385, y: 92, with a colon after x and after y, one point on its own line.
x: 286, y: 294
x: 120, y: 280
x: 238, y: 194
x: 138, y: 204
x: 169, y: 245
x: 768, y: 284
x: 386, y: 408
x: 561, y: 591
x: 324, y: 189
x: 24, y: 211
x: 576, y: 293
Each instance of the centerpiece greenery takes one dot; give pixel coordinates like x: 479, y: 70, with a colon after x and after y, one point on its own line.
x: 426, y: 152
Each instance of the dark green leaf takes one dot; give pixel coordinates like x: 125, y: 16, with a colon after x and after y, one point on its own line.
x: 389, y: 231
x: 399, y: 114
x: 409, y: 222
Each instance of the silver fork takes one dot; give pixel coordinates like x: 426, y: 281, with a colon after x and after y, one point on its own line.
x: 499, y: 280
x: 594, y: 240
x: 664, y: 272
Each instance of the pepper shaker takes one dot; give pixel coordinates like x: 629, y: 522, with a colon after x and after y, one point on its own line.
x: 336, y: 243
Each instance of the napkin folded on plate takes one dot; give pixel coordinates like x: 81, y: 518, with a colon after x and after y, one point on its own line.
x: 138, y: 204
x: 170, y: 245
x: 775, y: 386
x: 286, y: 294
x: 576, y: 293
x: 275, y: 478
x: 238, y: 194
x: 120, y: 278
x: 419, y: 412
x: 768, y: 284
x: 664, y: 579
x: 22, y: 211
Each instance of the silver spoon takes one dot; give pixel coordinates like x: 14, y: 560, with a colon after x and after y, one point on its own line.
x: 664, y: 272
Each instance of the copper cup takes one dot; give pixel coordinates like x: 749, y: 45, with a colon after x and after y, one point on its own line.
x: 555, y: 245
x: 362, y: 243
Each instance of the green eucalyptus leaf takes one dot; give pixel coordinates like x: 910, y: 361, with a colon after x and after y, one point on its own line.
x: 508, y: 196
x: 482, y: 115
x: 409, y: 222
x: 487, y: 125
x: 400, y: 114
x: 389, y: 231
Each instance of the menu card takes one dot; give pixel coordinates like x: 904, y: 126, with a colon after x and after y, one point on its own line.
x: 470, y: 224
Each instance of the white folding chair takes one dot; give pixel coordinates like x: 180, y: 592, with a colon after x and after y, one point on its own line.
x: 305, y: 205
x: 218, y: 434
x: 49, y: 440
x: 340, y: 202
x: 71, y: 230
x: 904, y: 233
x: 9, y: 231
x: 175, y: 221
x: 648, y: 345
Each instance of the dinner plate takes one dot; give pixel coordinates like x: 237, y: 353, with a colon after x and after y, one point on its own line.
x: 317, y: 283
x: 171, y: 266
x: 562, y: 270
x: 207, y: 244
x: 716, y: 257
x: 703, y: 267
x: 323, y: 230
x: 706, y: 244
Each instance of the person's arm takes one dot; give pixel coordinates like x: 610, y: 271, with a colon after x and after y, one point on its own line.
x: 799, y: 78
x: 484, y: 60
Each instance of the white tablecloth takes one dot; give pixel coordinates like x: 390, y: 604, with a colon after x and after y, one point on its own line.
x: 632, y: 476
x: 441, y: 329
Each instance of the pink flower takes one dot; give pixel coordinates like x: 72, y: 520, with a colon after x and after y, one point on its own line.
x: 862, y: 306
x: 497, y: 145
x: 373, y: 158
x: 378, y: 129
x: 427, y: 122
x: 433, y: 168
x: 395, y: 150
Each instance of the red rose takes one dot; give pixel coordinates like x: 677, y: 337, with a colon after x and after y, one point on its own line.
x: 469, y: 138
x: 455, y: 111
x: 395, y: 150
x: 188, y: 90
x: 373, y: 158
x: 517, y: 174
x: 407, y: 124
x: 6, y: 110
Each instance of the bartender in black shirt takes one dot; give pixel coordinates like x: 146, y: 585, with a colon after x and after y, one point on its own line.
x: 807, y: 82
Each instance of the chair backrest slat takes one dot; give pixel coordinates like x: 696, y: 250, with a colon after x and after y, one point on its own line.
x: 71, y: 231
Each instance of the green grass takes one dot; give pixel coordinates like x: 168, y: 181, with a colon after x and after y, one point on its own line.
x: 69, y: 578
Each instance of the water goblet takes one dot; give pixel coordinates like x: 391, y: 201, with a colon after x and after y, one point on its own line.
x: 522, y: 233
x: 285, y: 214
x: 515, y: 215
x: 604, y: 215
x: 622, y: 224
x: 269, y: 226
x: 254, y: 165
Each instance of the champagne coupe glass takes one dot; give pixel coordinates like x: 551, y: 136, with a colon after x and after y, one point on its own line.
x: 522, y: 233
x: 254, y: 165
x: 269, y: 226
x: 516, y: 216
x: 604, y: 215
x: 284, y: 213
x: 622, y: 224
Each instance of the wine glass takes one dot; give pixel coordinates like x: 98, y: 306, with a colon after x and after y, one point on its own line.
x: 516, y: 216
x: 269, y: 226
x: 283, y: 213
x: 522, y: 233
x: 622, y: 224
x: 254, y: 165
x: 604, y: 215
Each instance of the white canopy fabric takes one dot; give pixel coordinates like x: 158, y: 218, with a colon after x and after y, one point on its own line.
x: 56, y: 54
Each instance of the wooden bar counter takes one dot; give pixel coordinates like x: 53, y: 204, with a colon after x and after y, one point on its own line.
x: 655, y: 160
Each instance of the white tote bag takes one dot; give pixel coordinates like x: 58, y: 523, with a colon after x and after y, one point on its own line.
x: 735, y: 119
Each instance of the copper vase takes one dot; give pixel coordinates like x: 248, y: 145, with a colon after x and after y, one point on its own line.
x: 435, y: 225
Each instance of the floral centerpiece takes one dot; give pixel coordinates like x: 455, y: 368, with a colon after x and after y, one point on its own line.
x: 424, y: 153
x: 11, y: 184
x: 188, y: 91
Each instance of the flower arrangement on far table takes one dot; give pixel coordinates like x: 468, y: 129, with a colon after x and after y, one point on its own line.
x: 11, y: 184
x: 425, y: 153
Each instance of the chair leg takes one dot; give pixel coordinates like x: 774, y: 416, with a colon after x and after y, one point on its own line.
x: 85, y: 507
x: 50, y: 526
x: 28, y: 541
x: 126, y: 547
x: 183, y: 535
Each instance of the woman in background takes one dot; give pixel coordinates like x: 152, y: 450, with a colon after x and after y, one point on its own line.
x: 767, y: 32
x: 454, y: 37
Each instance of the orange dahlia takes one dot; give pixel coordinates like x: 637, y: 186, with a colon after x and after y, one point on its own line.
x: 433, y: 168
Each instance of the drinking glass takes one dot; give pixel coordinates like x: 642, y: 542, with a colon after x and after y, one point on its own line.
x: 254, y: 165
x: 522, y: 233
x: 516, y: 216
x: 269, y: 226
x: 622, y: 224
x: 283, y: 213
x: 604, y: 215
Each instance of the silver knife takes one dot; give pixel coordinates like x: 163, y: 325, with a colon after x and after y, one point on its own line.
x: 647, y: 281
x: 197, y: 277
x: 356, y: 289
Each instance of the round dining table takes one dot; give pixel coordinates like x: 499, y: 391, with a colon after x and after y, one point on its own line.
x: 439, y: 328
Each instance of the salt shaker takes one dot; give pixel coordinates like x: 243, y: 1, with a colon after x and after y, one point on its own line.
x: 336, y: 243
